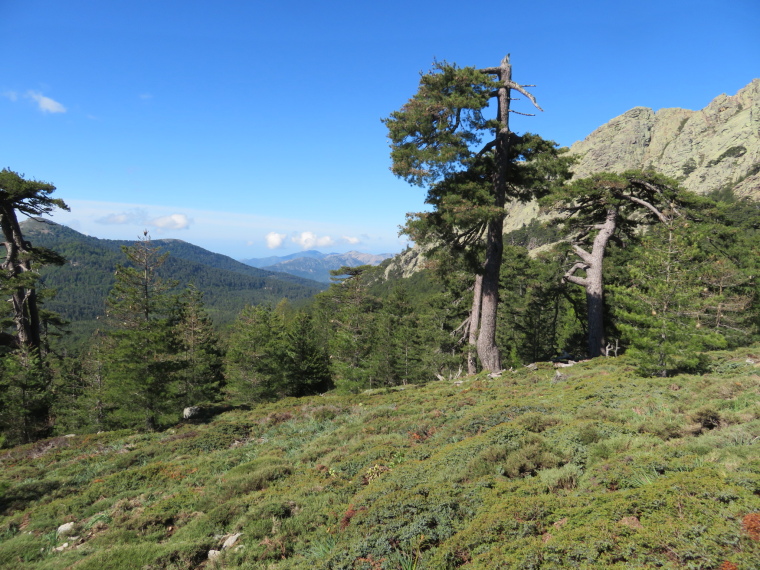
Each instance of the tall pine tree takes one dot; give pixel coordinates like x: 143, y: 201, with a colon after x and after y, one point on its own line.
x: 26, y: 378
x: 436, y: 142
x: 140, y: 375
x: 199, y: 355
x: 600, y: 208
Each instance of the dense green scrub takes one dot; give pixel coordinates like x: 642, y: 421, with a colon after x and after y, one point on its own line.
x: 588, y: 466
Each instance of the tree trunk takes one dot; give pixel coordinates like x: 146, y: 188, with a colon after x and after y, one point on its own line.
x: 488, y: 352
x: 23, y: 299
x: 595, y: 286
x: 477, y: 297
x: 592, y: 263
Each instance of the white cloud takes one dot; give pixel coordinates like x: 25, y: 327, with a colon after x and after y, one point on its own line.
x: 135, y: 216
x: 226, y: 232
x: 171, y: 222
x: 12, y: 95
x: 351, y: 240
x: 274, y: 240
x: 308, y: 240
x: 46, y: 104
x: 139, y: 216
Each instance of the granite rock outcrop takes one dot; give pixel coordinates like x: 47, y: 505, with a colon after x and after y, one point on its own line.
x: 711, y: 149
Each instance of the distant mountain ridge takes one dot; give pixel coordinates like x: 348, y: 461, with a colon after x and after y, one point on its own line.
x: 84, y: 282
x: 316, y: 265
x: 262, y: 262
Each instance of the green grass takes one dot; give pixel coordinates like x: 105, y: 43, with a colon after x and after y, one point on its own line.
x: 601, y: 470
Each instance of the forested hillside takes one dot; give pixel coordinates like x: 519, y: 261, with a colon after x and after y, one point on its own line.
x: 83, y: 283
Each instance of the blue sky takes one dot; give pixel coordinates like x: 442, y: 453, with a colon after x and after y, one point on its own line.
x: 253, y: 128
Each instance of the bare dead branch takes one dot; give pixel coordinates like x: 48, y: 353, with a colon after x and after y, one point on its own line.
x: 572, y: 278
x: 648, y: 185
x: 516, y: 87
x: 464, y: 329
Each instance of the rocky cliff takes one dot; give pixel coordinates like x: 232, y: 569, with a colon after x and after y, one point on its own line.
x: 705, y: 150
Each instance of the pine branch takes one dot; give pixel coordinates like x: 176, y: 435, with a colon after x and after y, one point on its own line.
x: 486, y: 148
x: 649, y: 206
x: 569, y: 274
x: 583, y: 254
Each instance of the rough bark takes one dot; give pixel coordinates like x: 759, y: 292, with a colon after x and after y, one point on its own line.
x: 474, y: 322
x: 488, y: 352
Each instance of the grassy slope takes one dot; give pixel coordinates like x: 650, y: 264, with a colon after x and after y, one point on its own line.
x: 593, y: 468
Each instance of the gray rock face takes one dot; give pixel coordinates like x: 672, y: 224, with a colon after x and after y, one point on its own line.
x: 705, y: 150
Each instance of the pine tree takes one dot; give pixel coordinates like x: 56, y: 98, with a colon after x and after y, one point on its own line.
x: 307, y: 361
x: 436, y: 142
x: 21, y: 260
x: 81, y: 403
x: 597, y: 210
x: 140, y: 375
x: 662, y: 312
x: 25, y: 397
x: 255, y: 354
x: 729, y: 234
x: 348, y: 310
x: 405, y: 341
x: 199, y: 357
x: 26, y: 376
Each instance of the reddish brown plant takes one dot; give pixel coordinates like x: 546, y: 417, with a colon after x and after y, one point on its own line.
x: 751, y: 524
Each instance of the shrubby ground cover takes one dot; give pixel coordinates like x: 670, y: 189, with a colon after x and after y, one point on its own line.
x: 589, y: 466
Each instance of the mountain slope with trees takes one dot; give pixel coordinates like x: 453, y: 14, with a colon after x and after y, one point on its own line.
x: 344, y: 432
x: 82, y: 284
